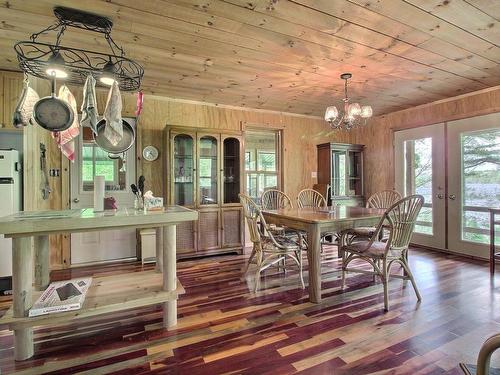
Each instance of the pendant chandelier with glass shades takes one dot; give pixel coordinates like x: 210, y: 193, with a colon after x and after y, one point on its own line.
x: 352, y: 115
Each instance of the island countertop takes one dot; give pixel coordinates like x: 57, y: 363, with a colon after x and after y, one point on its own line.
x: 30, y: 223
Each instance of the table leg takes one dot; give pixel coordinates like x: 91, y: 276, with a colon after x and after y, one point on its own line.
x: 314, y: 258
x: 169, y: 275
x: 159, y: 249
x: 22, y: 280
x: 41, y: 244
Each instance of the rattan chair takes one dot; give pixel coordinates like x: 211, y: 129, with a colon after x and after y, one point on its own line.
x: 273, y: 199
x: 267, y: 249
x: 309, y: 198
x: 400, y: 220
x: 382, y: 199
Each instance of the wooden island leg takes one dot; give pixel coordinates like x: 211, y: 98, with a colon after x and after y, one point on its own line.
x: 159, y: 250
x: 169, y: 275
x: 22, y: 280
x: 41, y: 244
x: 314, y: 259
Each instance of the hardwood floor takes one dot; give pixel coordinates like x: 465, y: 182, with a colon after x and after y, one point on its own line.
x: 225, y: 328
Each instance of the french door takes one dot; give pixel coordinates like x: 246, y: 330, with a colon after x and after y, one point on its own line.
x: 456, y: 167
x: 473, y: 182
x: 420, y: 169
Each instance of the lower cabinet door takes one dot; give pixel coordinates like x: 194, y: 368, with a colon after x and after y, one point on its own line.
x: 209, y: 228
x: 232, y: 229
x: 186, y: 238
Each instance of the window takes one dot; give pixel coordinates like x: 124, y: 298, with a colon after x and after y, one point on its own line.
x: 261, y: 162
x: 96, y: 162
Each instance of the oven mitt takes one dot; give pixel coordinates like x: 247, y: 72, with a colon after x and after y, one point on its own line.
x: 113, y: 116
x: 89, y: 105
x: 65, y: 138
x: 24, y: 109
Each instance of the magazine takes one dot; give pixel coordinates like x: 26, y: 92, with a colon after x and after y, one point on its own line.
x: 61, y: 296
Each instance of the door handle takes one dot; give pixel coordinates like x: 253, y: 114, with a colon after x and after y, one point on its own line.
x: 76, y: 200
x: 440, y: 196
x: 452, y: 197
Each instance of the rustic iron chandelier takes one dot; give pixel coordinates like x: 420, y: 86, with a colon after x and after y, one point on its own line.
x: 73, y: 65
x: 352, y: 115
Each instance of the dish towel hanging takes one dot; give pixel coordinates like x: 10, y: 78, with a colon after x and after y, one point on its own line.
x: 65, y: 138
x: 113, y: 116
x: 89, y: 105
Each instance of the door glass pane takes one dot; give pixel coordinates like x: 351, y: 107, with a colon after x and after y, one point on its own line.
x: 96, y: 162
x: 480, y: 182
x: 261, y: 162
x: 183, y: 170
x: 418, y: 179
x: 339, y: 173
x: 231, y: 170
x: 208, y: 170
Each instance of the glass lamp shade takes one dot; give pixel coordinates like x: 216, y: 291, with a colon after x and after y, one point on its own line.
x: 331, y: 113
x: 55, y: 66
x: 354, y: 109
x: 366, y: 111
x: 108, y: 74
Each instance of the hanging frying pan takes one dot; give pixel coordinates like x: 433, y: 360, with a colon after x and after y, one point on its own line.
x: 52, y: 113
x: 125, y: 143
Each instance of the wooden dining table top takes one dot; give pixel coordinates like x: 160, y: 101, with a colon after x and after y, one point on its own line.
x: 325, y: 214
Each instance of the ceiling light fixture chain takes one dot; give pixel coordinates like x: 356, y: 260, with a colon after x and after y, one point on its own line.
x: 73, y: 64
x: 352, y: 115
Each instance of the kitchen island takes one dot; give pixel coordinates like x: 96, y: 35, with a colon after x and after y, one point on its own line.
x: 30, y: 245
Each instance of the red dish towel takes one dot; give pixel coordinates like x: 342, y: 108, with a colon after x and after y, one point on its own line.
x: 65, y: 138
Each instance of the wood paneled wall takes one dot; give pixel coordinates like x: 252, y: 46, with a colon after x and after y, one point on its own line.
x: 378, y: 135
x: 300, y: 136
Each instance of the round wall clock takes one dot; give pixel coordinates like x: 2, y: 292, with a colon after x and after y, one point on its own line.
x: 150, y: 153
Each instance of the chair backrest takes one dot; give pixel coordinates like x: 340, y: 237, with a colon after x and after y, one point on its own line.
x: 252, y: 213
x: 256, y: 223
x: 383, y: 199
x: 273, y: 199
x: 401, y: 217
x: 310, y: 198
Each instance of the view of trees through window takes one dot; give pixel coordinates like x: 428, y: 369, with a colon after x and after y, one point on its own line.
x: 480, y: 182
x: 418, y: 173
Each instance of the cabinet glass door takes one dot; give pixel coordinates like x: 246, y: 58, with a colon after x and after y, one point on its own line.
x: 339, y: 173
x: 354, y: 177
x: 183, y: 170
x: 231, y: 169
x: 207, y: 170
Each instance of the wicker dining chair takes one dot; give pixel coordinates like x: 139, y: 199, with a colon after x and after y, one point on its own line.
x: 273, y: 199
x: 382, y: 199
x: 267, y: 249
x: 309, y: 198
x: 400, y: 220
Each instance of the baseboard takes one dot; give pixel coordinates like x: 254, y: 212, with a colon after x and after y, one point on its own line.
x: 446, y: 251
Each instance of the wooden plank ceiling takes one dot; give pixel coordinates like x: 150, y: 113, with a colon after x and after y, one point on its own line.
x: 287, y: 55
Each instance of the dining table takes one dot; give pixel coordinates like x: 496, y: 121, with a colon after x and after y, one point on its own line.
x: 316, y: 222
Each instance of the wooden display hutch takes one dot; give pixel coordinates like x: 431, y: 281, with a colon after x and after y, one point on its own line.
x: 340, y: 166
x: 203, y: 172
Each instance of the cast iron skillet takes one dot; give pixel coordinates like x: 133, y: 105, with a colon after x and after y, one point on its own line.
x: 52, y: 113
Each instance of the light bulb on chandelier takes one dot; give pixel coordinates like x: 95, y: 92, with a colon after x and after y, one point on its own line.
x: 353, y: 114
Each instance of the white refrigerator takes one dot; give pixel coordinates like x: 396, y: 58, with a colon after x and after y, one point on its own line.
x: 10, y: 196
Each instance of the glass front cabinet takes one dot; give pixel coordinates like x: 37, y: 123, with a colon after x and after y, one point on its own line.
x: 202, y: 172
x: 340, y: 172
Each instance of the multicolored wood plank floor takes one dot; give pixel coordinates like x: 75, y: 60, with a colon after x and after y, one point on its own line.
x: 225, y: 328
